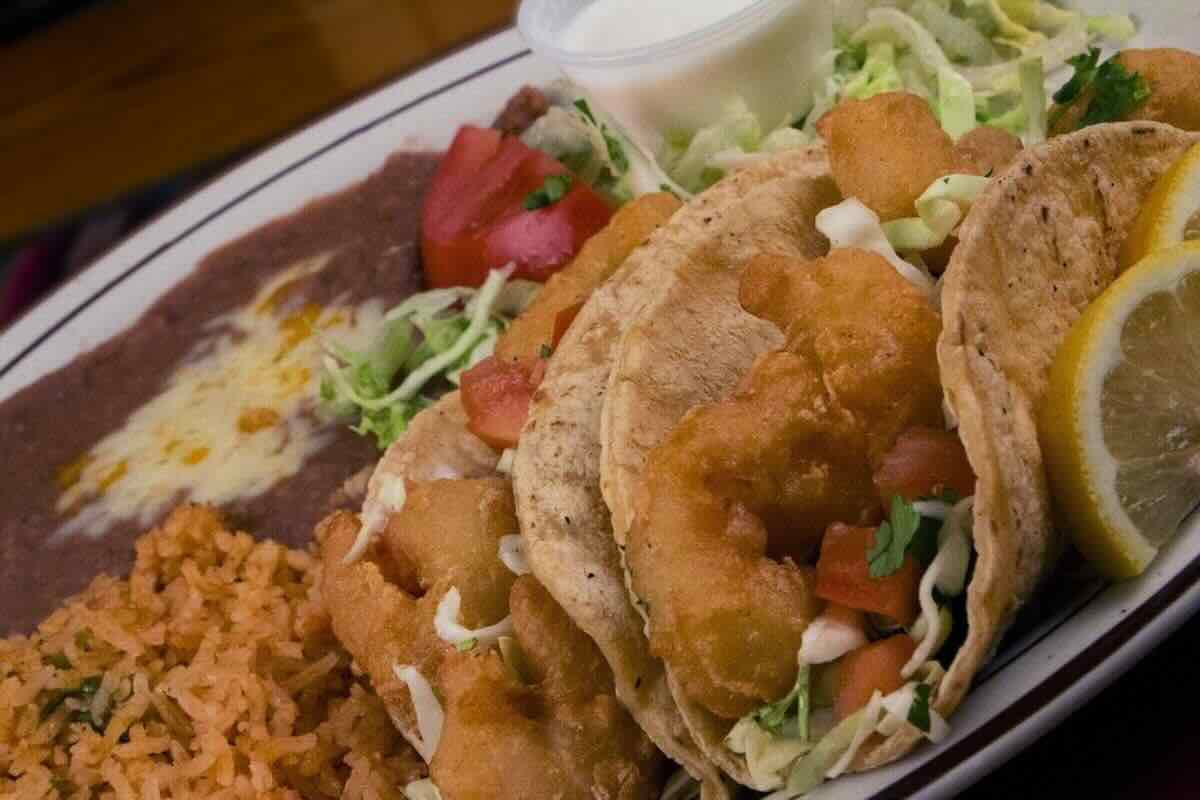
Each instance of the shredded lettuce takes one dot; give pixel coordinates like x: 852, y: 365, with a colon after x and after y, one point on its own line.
x: 428, y: 710
x: 446, y: 623
x: 773, y: 737
x: 597, y: 151
x: 852, y: 224
x: 435, y: 334
x: 1033, y: 98
x: 955, y: 104
x: 948, y: 574
x: 939, y: 211
x: 688, y: 161
x: 424, y: 789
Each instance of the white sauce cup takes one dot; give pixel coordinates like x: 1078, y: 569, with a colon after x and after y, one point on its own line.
x: 767, y: 54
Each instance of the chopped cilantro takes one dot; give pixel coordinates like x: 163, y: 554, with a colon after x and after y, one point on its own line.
x: 918, y: 712
x: 586, y: 110
x: 545, y: 351
x: 1086, y: 65
x: 775, y: 718
x: 616, y: 153
x: 58, y: 660
x: 553, y: 189
x: 466, y: 644
x: 1115, y: 91
x: 87, y: 687
x: 893, y: 539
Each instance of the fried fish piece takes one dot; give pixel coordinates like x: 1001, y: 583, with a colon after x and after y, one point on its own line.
x: 886, y: 151
x: 1173, y: 77
x: 737, y: 497
x: 560, y: 732
x: 556, y: 731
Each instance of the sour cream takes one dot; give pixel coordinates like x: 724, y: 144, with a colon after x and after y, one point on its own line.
x: 664, y: 67
x: 605, y: 25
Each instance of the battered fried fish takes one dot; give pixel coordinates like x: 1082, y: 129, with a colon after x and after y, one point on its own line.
x: 740, y: 493
x: 556, y: 730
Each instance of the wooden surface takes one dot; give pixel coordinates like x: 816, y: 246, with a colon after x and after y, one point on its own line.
x: 130, y: 92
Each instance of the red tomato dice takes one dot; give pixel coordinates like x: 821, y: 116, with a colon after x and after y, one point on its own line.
x: 863, y: 671
x: 922, y: 463
x: 844, y: 576
x: 496, y: 395
x: 474, y: 218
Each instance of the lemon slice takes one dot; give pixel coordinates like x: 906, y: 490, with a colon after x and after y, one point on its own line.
x: 1120, y: 426
x: 1171, y: 214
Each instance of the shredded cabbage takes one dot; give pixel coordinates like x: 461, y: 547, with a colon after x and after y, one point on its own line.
x: 826, y: 640
x: 598, y: 151
x: 1033, y: 99
x: 940, y: 209
x: 423, y: 338
x: 956, y: 103
x: 948, y: 574
x: 449, y: 629
x: 422, y: 790
x: 389, y: 498
x: 430, y: 717
x: 852, y: 224
x: 512, y: 553
x: 738, y: 130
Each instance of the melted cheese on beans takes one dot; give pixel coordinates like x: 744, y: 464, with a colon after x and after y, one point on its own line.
x: 234, y: 419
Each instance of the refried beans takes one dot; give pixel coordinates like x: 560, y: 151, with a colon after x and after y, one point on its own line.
x: 371, y: 232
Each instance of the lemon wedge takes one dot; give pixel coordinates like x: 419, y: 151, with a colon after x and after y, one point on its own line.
x: 1120, y: 425
x: 1171, y: 214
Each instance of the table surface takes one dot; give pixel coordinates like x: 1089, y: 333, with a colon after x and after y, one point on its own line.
x: 129, y: 92
x: 213, y: 78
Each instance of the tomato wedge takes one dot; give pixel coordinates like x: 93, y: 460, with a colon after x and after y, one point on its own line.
x: 863, y: 671
x: 474, y: 217
x: 923, y: 463
x: 496, y: 395
x: 844, y: 577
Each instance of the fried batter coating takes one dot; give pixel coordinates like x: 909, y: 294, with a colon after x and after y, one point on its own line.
x: 562, y: 735
x: 382, y: 607
x: 886, y: 151
x: 986, y: 150
x: 870, y: 330
x: 738, y: 496
x: 1173, y: 77
x: 597, y: 260
x: 559, y: 734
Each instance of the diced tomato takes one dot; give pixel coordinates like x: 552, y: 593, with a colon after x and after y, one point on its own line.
x: 474, y: 218
x: 922, y: 463
x: 563, y: 320
x: 496, y: 395
x: 863, y: 671
x: 844, y: 577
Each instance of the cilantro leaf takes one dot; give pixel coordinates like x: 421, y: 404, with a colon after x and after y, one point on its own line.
x: 918, y: 712
x: 893, y: 538
x: 775, y: 718
x: 553, y: 189
x: 1085, y: 65
x: 1115, y: 91
x: 586, y: 110
x: 1118, y: 92
x: 466, y: 644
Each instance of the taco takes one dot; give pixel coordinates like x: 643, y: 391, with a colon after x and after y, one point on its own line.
x: 1039, y: 242
x: 556, y: 472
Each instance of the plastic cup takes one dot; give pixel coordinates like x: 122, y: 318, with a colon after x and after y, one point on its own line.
x: 767, y: 55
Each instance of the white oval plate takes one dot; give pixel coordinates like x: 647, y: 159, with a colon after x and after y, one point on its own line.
x: 1033, y: 684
